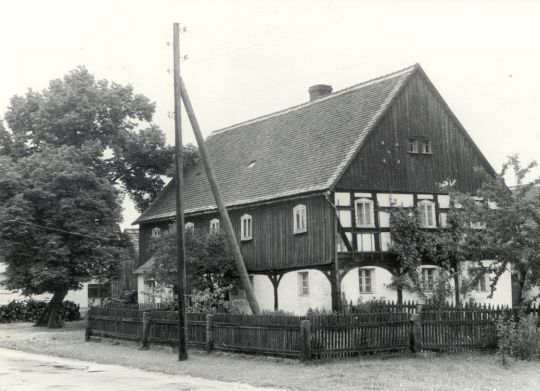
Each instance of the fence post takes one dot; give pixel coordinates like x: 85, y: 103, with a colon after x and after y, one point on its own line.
x: 305, y: 340
x: 209, y: 332
x: 416, y: 332
x: 88, y: 331
x: 145, y: 329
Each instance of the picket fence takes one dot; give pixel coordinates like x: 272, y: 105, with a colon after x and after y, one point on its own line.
x: 390, y: 328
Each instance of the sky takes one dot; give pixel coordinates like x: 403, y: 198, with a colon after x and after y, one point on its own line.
x: 249, y: 58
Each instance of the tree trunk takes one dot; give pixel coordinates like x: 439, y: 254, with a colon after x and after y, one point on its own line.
x: 52, y: 316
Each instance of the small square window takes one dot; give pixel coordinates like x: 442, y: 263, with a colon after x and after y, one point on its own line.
x: 156, y: 232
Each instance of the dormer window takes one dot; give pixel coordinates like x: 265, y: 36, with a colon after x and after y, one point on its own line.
x: 427, y: 214
x: 214, y: 226
x: 246, y: 227
x: 299, y: 219
x: 364, y: 212
x: 156, y: 232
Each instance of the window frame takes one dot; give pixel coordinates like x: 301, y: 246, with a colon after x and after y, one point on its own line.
x: 412, y: 145
x: 156, y: 232
x: 215, y: 226
x: 189, y: 228
x: 246, y: 227
x: 429, y: 149
x: 425, y: 203
x: 364, y: 201
x: 363, y: 275
x: 303, y: 289
x: 301, y: 227
x: 425, y: 284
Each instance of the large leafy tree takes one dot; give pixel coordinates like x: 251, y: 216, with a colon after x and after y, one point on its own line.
x: 59, y: 224
x: 109, y: 120
x: 507, y: 225
x: 209, y: 261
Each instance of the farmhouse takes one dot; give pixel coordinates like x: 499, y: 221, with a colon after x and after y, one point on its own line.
x: 309, y: 190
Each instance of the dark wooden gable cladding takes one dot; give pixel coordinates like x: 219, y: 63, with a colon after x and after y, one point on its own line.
x: 384, y: 162
x: 274, y: 245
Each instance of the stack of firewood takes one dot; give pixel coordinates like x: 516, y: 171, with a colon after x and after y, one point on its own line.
x: 30, y: 310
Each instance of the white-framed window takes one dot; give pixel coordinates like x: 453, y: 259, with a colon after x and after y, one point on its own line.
x: 426, y: 146
x: 429, y: 275
x: 364, y: 213
x: 427, y: 214
x: 299, y: 219
x: 156, y: 232
x: 365, y: 280
x: 189, y: 228
x: 413, y: 145
x: 214, y: 226
x: 246, y: 227
x: 303, y: 283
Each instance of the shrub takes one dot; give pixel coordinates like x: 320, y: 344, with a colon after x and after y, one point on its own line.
x: 518, y: 339
x: 30, y: 310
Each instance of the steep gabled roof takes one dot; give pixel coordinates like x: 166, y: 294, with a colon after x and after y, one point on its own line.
x: 299, y: 150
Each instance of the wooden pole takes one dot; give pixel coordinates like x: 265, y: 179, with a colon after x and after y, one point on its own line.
x: 179, y: 178
x: 227, y: 225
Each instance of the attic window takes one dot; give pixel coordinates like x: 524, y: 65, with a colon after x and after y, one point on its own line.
x: 426, y: 146
x: 251, y: 164
x: 420, y: 145
x: 413, y: 145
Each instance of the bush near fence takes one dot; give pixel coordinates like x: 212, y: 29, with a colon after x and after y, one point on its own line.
x: 30, y: 310
x: 395, y: 328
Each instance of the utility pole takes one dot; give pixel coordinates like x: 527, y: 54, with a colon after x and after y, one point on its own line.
x: 179, y: 178
x: 227, y: 225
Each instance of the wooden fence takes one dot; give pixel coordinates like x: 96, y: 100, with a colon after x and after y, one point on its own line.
x: 313, y: 336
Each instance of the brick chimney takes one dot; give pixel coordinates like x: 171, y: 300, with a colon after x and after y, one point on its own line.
x: 318, y: 91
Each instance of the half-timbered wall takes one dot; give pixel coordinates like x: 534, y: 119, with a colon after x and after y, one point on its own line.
x: 371, y: 242
x: 384, y: 162
x: 274, y: 245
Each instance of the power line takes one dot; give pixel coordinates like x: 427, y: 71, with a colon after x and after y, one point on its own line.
x: 60, y: 230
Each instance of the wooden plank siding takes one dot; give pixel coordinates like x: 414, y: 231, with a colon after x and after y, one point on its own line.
x: 384, y: 163
x: 273, y: 245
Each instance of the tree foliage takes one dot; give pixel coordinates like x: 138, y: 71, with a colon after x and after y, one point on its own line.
x: 209, y: 261
x: 494, y: 224
x: 108, y: 120
x: 509, y: 222
x: 59, y: 223
x: 415, y: 246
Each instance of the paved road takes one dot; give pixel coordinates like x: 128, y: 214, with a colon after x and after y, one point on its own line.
x: 27, y: 371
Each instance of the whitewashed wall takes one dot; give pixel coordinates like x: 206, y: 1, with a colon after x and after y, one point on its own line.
x: 319, y: 292
x: 381, y: 278
x: 501, y: 296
